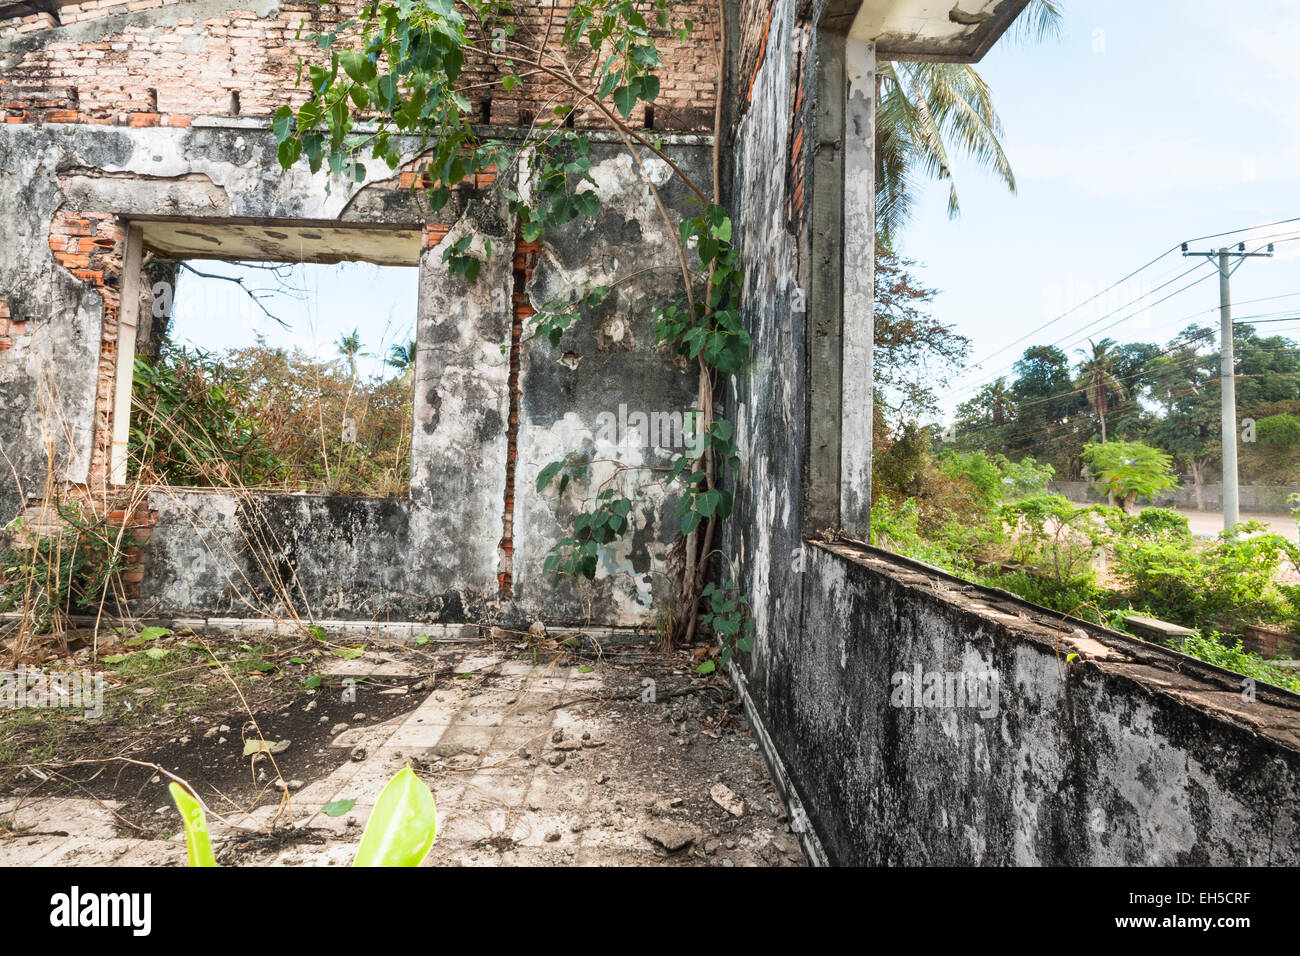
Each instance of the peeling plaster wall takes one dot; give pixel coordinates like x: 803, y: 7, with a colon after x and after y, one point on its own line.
x: 769, y: 401
x: 48, y: 394
x: 607, y: 364
x: 155, y: 109
x: 439, y: 554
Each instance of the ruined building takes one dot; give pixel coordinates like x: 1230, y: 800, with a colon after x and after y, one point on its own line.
x: 142, y: 129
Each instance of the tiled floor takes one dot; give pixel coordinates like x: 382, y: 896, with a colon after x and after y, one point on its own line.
x: 529, y: 764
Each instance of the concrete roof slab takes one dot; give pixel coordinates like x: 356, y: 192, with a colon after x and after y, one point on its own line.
x: 959, y: 31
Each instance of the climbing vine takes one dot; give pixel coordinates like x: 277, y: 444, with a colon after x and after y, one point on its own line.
x: 392, y: 83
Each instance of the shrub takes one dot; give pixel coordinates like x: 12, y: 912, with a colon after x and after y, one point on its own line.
x: 190, y: 426
x: 1226, y: 583
x: 1127, y: 469
x: 60, y: 573
x: 1158, y: 522
x: 1077, y: 598
x: 1053, y: 536
x: 996, y: 479
x: 1278, y: 432
x: 1233, y: 657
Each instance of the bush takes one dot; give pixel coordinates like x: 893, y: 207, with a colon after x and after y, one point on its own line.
x: 1053, y: 536
x: 262, y: 416
x: 190, y: 426
x: 1227, y: 583
x: 1129, y: 469
x: 996, y: 479
x: 1077, y: 598
x: 1158, y: 522
x: 62, y: 573
x: 1278, y: 432
x: 1235, y: 658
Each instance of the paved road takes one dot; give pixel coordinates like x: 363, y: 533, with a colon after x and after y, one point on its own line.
x: 1210, y: 523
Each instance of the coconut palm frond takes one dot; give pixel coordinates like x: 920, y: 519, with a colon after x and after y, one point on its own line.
x: 1040, y: 21
x: 928, y: 113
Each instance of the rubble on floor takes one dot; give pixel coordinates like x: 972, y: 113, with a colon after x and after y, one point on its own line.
x: 623, y: 758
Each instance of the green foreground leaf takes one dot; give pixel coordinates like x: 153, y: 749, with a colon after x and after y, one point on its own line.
x: 403, y: 826
x: 197, y: 842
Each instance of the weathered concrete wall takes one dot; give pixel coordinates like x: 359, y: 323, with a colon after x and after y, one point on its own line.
x: 768, y: 404
x: 117, y: 110
x: 1133, y: 755
x: 607, y: 369
x: 67, y: 192
x: 1260, y: 498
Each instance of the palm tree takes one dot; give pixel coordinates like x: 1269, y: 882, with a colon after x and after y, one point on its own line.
x: 402, y: 358
x: 926, y: 112
x: 997, y: 398
x: 1097, y: 378
x: 349, y: 347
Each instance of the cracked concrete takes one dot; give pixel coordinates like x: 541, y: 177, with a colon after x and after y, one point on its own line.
x: 530, y: 764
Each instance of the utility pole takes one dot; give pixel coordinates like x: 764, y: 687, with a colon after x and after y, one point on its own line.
x: 1228, y: 375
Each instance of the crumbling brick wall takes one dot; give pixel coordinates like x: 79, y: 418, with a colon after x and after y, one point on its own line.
x: 124, y: 524
x: 10, y: 326
x: 755, y: 24
x: 91, y: 246
x: 150, y: 63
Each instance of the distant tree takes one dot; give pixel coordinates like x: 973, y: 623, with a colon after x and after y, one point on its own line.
x: 1184, y: 384
x: 349, y: 347
x: 402, y: 358
x: 915, y: 353
x: 1130, y: 418
x: 1268, y: 369
x: 1048, y: 410
x: 1127, y: 469
x: 983, y: 420
x: 1098, y: 379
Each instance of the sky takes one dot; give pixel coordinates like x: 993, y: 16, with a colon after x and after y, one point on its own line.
x: 1147, y: 124
x: 329, y: 301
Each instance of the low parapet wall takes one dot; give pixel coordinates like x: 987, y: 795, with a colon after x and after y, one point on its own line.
x: 923, y: 720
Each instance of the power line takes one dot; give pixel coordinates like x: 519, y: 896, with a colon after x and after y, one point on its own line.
x: 1147, y: 265
x: 1061, y: 429
x: 1132, y: 376
x: 1188, y: 286
x: 1002, y: 371
x: 1174, y: 347
x: 1249, y: 320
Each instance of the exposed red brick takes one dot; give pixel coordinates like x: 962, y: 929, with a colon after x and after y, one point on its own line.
x: 136, y: 73
x: 526, y: 255
x: 90, y: 246
x: 434, y: 234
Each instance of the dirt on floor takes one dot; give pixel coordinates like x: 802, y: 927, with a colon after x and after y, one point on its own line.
x: 538, y: 751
